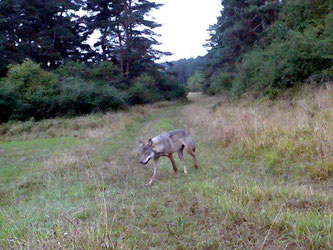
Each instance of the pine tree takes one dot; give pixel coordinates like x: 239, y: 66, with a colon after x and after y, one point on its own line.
x: 10, y: 30
x: 126, y: 35
x: 237, y: 29
x: 46, y: 31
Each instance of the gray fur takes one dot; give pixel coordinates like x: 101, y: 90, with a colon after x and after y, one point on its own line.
x: 166, y: 144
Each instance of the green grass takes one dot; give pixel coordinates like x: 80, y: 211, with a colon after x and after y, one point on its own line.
x: 89, y: 192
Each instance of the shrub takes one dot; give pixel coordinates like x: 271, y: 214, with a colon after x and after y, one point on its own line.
x: 29, y: 77
x: 170, y: 88
x: 103, y: 71
x: 194, y: 83
x: 28, y: 91
x: 298, y: 45
x: 285, y: 63
x: 220, y: 83
x: 144, y: 89
x: 78, y: 96
x: 8, y: 101
x: 73, y: 69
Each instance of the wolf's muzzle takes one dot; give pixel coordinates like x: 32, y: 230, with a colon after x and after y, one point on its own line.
x: 145, y: 163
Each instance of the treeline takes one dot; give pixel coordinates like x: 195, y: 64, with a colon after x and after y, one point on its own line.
x: 183, y: 69
x: 48, y: 67
x: 268, y: 46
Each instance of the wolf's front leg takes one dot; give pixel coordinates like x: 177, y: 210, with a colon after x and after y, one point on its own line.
x: 155, y: 165
x: 181, y: 157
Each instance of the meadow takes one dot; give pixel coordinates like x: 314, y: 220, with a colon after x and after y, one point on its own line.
x: 265, y: 179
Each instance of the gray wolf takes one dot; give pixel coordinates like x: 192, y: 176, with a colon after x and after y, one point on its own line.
x: 166, y: 144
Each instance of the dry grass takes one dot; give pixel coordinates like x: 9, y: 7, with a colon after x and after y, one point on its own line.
x: 297, y: 128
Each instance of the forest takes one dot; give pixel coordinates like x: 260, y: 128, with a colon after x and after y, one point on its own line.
x: 48, y: 68
x: 266, y: 47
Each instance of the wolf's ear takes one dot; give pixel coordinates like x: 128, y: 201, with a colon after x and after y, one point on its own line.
x: 141, y: 143
x: 150, y: 142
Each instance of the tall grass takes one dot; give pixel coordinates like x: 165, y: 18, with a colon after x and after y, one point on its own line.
x: 296, y: 128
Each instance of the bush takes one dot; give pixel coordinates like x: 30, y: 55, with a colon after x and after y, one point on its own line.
x: 286, y: 62
x: 78, y: 96
x: 144, y: 89
x: 219, y: 83
x: 194, y: 83
x: 28, y: 91
x: 170, y: 88
x: 296, y: 47
x: 73, y: 69
x: 8, y: 101
x: 103, y: 71
x: 29, y: 77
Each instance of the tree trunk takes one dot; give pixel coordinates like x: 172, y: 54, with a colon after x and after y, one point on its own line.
x: 104, y: 41
x: 126, y: 28
x: 121, y: 57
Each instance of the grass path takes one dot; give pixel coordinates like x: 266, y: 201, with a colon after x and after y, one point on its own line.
x: 85, y: 189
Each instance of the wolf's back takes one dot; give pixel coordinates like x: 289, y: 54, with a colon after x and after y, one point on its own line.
x: 169, y: 142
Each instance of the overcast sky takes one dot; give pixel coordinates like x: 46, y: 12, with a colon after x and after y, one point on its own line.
x: 185, y: 24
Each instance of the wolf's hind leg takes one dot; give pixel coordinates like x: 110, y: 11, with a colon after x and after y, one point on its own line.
x: 173, y: 163
x: 181, y: 157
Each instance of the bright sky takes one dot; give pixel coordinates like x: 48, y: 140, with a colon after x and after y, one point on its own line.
x: 184, y: 26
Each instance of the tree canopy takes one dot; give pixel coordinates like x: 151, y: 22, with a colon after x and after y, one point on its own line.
x: 50, y: 32
x: 269, y: 45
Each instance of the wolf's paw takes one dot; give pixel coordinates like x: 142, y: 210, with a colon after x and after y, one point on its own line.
x: 149, y: 184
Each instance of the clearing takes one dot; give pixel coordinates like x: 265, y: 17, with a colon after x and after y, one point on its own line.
x: 77, y: 183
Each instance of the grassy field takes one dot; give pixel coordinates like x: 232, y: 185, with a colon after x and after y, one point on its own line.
x: 265, y: 179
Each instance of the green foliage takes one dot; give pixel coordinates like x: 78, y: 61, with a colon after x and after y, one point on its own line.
x: 219, y: 83
x: 127, y: 35
x: 28, y: 91
x: 121, y: 68
x: 106, y: 71
x: 183, y: 69
x: 237, y: 30
x: 48, y: 32
x: 171, y: 88
x: 30, y: 77
x: 321, y: 170
x: 78, y: 96
x: 296, y: 46
x: 288, y: 61
x: 102, y: 71
x: 144, y: 90
x: 8, y: 101
x: 195, y: 82
x: 73, y: 69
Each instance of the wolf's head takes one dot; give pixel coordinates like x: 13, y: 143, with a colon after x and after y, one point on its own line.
x: 147, y: 152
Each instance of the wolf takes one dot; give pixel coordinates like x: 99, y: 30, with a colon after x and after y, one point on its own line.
x: 166, y: 144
